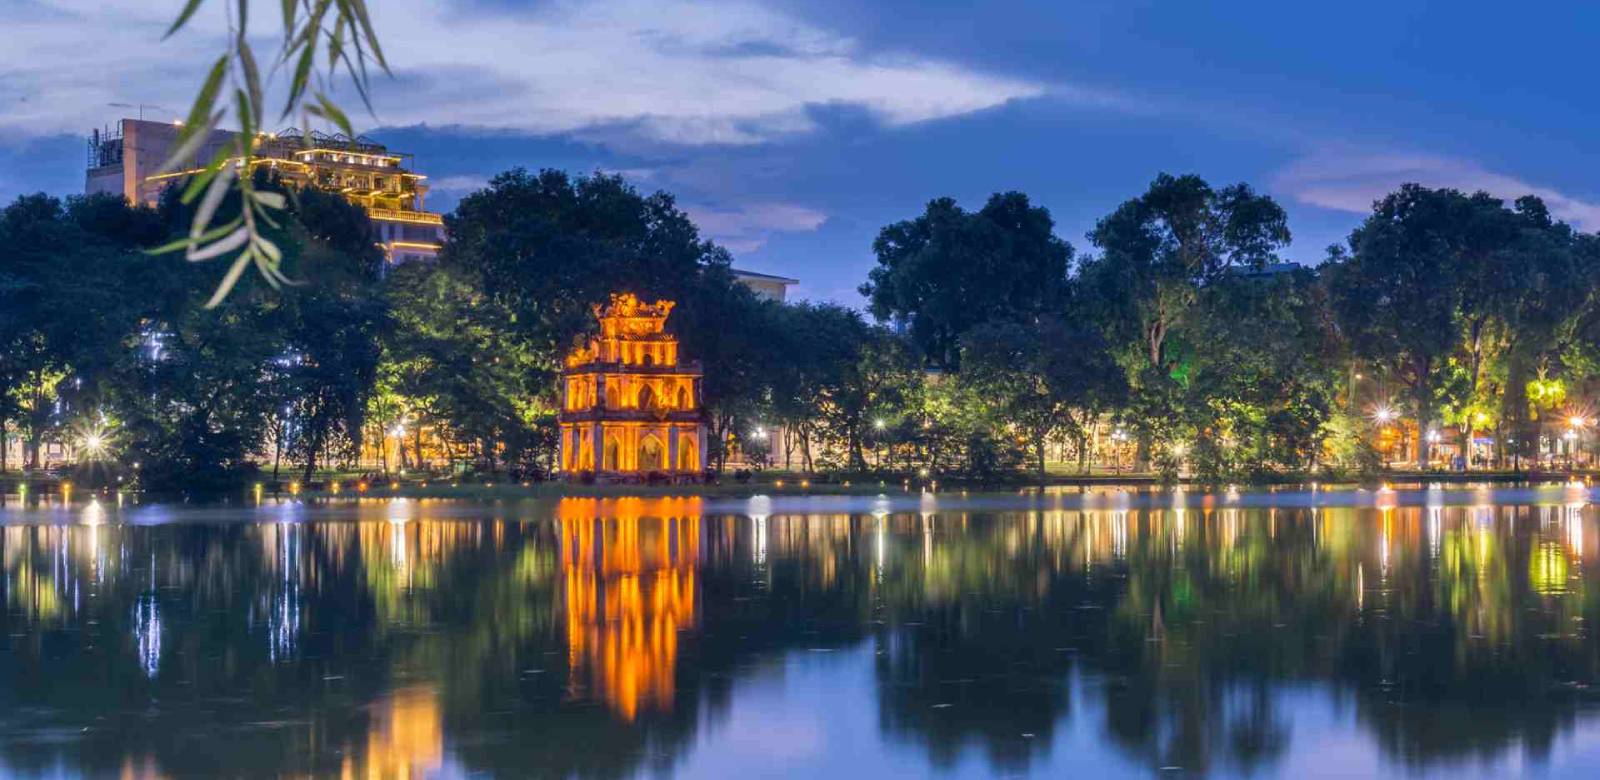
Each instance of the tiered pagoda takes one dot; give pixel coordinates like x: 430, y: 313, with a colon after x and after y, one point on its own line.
x: 629, y: 410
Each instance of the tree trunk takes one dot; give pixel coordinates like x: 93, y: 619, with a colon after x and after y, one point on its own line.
x: 858, y: 459
x: 277, y: 451
x: 1039, y: 444
x: 1424, y: 398
x: 1514, y: 408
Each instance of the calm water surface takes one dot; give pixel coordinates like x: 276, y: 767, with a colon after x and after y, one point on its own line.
x: 1430, y: 633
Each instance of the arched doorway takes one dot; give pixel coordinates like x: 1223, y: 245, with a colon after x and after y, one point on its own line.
x: 652, y: 456
x: 688, y: 459
x: 613, y: 454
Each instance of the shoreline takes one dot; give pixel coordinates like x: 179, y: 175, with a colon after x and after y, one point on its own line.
x: 13, y: 491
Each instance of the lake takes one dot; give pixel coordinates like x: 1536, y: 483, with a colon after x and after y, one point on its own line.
x: 1305, y: 633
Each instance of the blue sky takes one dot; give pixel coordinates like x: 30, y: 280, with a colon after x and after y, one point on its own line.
x: 793, y: 130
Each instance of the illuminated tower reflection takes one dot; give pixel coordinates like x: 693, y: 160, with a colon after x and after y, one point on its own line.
x: 628, y: 567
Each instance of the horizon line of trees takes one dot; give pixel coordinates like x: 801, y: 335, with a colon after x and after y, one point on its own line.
x: 992, y: 341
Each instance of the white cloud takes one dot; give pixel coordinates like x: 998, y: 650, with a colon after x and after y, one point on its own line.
x: 1351, y: 182
x: 748, y: 228
x: 460, y: 183
x: 684, y: 71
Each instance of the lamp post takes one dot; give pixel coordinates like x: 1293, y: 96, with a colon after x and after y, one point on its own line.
x: 1118, y: 436
x: 1383, y: 415
x: 399, y: 433
x: 1575, y: 427
x: 878, y: 426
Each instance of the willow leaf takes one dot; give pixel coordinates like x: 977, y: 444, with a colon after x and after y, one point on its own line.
x: 183, y: 17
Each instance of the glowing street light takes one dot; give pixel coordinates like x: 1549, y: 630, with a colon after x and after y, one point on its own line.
x: 1383, y: 415
x: 879, y: 424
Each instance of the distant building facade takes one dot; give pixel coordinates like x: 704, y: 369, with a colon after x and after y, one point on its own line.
x: 629, y: 408
x: 127, y: 160
x: 768, y: 286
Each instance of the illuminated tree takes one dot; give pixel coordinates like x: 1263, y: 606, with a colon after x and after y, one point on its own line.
x: 1157, y: 252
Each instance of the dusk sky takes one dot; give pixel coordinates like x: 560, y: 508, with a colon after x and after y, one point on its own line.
x: 792, y: 131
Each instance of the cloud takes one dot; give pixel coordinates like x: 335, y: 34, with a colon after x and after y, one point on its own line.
x: 682, y: 71
x: 459, y: 183
x: 1351, y: 182
x: 748, y: 228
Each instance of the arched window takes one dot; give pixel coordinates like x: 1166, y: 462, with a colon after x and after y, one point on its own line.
x: 688, y: 459
x: 683, y: 397
x: 613, y: 454
x: 646, y: 397
x: 652, y: 456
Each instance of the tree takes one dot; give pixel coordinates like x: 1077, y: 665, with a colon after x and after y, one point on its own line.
x: 332, y: 323
x: 1157, y: 252
x: 949, y: 271
x: 548, y: 247
x: 63, y: 303
x: 460, y: 365
x: 1045, y: 377
x: 1259, y: 385
x: 1409, y: 288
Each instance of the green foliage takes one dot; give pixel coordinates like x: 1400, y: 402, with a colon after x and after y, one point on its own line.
x: 1424, y: 293
x: 949, y: 270
x: 1159, y: 253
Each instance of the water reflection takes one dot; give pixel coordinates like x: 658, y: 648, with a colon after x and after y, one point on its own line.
x: 629, y: 589
x: 609, y: 637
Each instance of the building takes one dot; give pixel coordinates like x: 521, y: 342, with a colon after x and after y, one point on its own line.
x: 128, y: 161
x: 629, y: 409
x: 771, y: 287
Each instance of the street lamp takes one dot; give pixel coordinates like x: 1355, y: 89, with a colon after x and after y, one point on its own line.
x: 1118, y: 436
